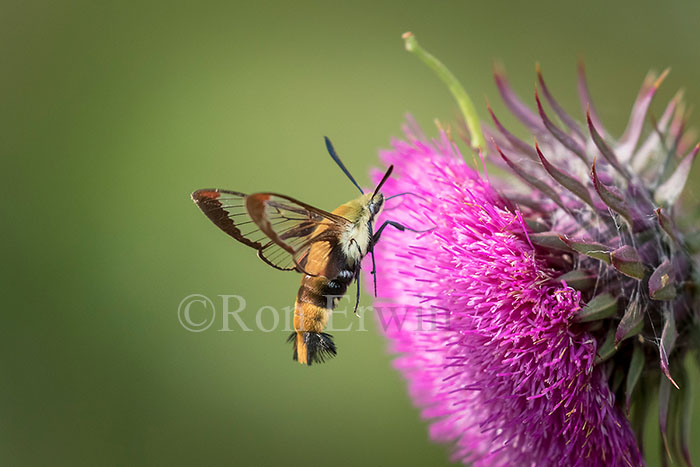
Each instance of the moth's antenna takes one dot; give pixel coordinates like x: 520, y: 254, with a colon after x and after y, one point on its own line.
x: 334, y: 155
x: 384, y: 179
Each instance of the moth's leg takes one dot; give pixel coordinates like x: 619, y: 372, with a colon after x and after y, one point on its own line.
x: 357, y: 278
x: 357, y: 295
x: 396, y: 225
x: 374, y: 271
x: 375, y: 239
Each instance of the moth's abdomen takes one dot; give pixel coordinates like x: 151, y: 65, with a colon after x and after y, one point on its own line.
x: 316, y: 299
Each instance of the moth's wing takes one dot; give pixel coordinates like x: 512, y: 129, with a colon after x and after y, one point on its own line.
x: 282, y: 229
x: 310, y: 236
x: 226, y: 209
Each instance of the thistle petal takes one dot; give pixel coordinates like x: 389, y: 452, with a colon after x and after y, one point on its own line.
x: 631, y: 322
x: 568, y: 142
x: 551, y: 240
x: 567, y: 181
x: 533, y: 181
x: 671, y: 147
x: 633, y: 373
x: 585, y: 96
x: 514, y: 141
x: 600, y: 307
x: 561, y: 113
x: 677, y: 127
x: 661, y: 283
x: 607, y: 349
x: 626, y: 260
x: 513, y: 102
x: 686, y: 416
x: 533, y: 225
x: 668, y: 192
x: 611, y: 200
x: 668, y: 339
x: 667, y: 225
x: 629, y: 139
x: 578, y: 279
x: 412, y: 129
x: 604, y: 149
x: 642, y: 157
x: 591, y: 249
x: 664, y: 399
x: 641, y: 401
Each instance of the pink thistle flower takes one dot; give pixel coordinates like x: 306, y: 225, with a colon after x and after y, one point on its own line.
x: 486, y: 333
x: 536, y: 321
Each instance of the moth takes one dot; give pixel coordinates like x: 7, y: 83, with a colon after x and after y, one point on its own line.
x: 326, y: 247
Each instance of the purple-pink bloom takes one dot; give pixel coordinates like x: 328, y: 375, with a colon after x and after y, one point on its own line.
x: 486, y: 332
x: 537, y: 321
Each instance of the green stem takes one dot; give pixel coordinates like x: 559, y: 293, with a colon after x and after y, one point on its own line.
x: 463, y: 100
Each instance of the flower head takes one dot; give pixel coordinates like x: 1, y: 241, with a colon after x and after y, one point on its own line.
x: 532, y: 314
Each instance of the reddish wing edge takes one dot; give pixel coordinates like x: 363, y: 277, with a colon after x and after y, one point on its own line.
x: 208, y: 201
x: 282, y: 227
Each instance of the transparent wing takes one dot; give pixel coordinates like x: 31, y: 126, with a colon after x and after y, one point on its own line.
x: 282, y: 229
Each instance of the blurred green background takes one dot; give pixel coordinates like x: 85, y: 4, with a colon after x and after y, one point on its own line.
x: 113, y: 112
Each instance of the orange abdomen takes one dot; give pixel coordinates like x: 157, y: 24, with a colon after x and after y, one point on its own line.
x: 316, y: 299
x: 319, y: 294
